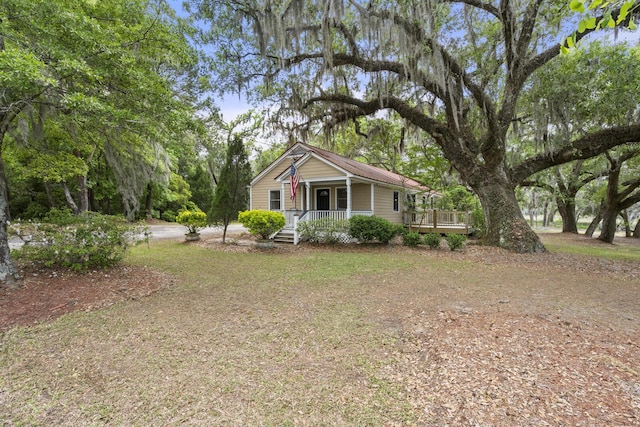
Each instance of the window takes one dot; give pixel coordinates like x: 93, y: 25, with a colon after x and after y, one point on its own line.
x: 341, y: 198
x: 411, y: 201
x: 274, y: 200
x: 396, y: 201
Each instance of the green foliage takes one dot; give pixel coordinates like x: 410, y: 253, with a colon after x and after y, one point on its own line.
x: 232, y: 195
x: 169, y: 216
x: 262, y: 223
x: 456, y: 197
x: 411, y: 239
x: 81, y: 243
x: 369, y: 229
x: 201, y: 187
x: 193, y: 220
x: 432, y: 240
x: 599, y: 14
x: 455, y: 241
x: 321, y: 231
x: 175, y: 197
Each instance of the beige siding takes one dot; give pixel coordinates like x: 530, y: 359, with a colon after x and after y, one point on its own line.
x: 260, y: 190
x: 314, y: 168
x: 384, y: 204
x: 361, y: 197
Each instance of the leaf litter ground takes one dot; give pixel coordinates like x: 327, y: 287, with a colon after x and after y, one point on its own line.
x: 477, y: 337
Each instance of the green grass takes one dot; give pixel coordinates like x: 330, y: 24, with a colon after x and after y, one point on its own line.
x: 621, y: 249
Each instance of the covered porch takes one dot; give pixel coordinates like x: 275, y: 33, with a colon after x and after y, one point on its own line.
x: 329, y: 200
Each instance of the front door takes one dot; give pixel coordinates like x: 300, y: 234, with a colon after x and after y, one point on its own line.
x: 322, y: 199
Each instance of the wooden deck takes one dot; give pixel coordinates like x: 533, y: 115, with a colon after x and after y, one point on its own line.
x: 436, y: 221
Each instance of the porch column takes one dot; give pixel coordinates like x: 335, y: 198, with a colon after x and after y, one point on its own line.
x: 348, y: 197
x: 282, y: 199
x: 307, y: 186
x: 373, y: 191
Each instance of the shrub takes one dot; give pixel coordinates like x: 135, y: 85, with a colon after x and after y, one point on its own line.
x: 411, y: 239
x: 372, y: 228
x: 432, y: 240
x: 321, y: 231
x: 262, y: 223
x: 193, y: 220
x: 455, y: 241
x: 79, y: 242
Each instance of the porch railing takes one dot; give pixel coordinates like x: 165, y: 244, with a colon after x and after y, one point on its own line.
x: 288, y: 217
x: 324, y: 218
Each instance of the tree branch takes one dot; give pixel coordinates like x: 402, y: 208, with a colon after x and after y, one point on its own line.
x: 487, y: 7
x: 585, y: 147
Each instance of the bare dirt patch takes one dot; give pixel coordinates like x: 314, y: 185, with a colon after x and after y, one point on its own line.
x: 44, y: 295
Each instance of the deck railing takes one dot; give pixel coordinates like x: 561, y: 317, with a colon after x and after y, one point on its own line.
x: 434, y: 218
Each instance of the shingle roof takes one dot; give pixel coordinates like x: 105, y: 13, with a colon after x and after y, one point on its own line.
x: 364, y: 170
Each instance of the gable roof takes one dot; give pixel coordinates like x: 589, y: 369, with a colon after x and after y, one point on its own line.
x: 302, y: 151
x: 366, y: 171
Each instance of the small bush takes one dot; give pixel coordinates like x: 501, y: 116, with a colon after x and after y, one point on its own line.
x: 262, y: 223
x: 193, y: 220
x: 411, y: 239
x: 455, y: 241
x: 321, y: 231
x: 79, y: 242
x: 432, y: 240
x: 368, y: 229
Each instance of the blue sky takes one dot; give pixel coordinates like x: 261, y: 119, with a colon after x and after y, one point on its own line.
x: 230, y: 105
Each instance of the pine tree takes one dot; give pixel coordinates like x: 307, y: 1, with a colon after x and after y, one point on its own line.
x: 232, y: 194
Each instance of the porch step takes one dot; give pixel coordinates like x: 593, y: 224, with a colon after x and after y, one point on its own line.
x: 284, y: 236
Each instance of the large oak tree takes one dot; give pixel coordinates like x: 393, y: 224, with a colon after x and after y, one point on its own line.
x: 454, y: 69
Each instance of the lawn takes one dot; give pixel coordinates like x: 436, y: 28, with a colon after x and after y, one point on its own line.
x: 342, y: 336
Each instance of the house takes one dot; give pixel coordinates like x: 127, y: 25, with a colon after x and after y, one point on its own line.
x: 334, y: 187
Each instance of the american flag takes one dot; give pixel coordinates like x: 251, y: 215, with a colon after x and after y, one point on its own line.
x: 295, y: 180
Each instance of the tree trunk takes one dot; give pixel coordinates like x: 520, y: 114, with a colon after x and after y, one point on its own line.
x: 594, y: 224
x: 545, y: 214
x: 611, y: 207
x: 83, y: 194
x: 47, y: 189
x: 505, y: 224
x: 148, y: 202
x: 609, y: 221
x: 636, y: 231
x: 224, y: 231
x: 8, y: 271
x: 625, y: 220
x: 567, y: 210
x: 69, y: 197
